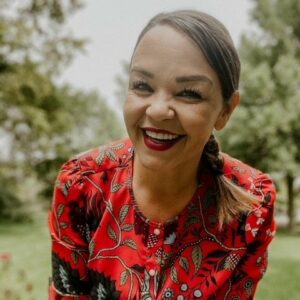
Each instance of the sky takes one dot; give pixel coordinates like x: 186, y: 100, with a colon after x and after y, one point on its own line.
x: 113, y: 26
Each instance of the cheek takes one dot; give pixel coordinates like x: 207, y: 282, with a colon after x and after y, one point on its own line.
x: 127, y: 115
x: 133, y: 111
x: 199, y: 127
x: 201, y: 119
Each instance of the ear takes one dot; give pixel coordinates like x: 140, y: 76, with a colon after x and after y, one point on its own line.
x: 227, y: 110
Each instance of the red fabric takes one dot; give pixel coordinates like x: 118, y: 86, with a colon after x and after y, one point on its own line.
x: 104, y: 247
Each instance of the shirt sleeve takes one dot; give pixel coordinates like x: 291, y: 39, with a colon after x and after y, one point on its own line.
x: 259, y: 230
x: 69, y: 235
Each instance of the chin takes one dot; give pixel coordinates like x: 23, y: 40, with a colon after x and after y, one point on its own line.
x: 152, y: 163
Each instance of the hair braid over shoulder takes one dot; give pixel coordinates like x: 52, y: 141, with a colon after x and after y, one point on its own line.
x: 212, y: 157
x: 232, y: 200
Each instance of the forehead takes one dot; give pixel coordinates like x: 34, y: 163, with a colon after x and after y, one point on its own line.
x: 164, y: 48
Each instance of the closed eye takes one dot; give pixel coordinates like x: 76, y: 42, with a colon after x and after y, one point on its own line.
x: 190, y: 94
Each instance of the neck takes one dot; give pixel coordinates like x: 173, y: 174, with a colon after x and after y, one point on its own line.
x: 163, y: 185
x: 162, y: 194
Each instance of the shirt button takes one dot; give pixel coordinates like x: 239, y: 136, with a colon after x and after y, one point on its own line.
x: 197, y: 293
x: 156, y: 231
x: 184, y: 287
x: 151, y: 272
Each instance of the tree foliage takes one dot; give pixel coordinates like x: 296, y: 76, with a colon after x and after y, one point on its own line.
x: 42, y: 123
x: 35, y: 31
x: 265, y: 131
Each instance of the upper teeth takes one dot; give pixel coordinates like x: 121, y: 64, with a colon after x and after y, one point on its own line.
x: 161, y: 136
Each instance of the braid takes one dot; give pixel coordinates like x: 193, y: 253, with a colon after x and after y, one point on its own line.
x: 232, y: 200
x: 212, y: 157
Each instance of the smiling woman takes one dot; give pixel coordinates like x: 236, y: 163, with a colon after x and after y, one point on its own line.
x: 166, y: 94
x: 164, y: 214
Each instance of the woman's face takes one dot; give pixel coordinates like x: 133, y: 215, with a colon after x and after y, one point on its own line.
x: 174, y: 100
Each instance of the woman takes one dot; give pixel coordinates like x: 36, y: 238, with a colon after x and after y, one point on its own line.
x: 165, y: 214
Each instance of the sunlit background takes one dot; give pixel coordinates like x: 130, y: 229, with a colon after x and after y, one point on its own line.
x: 63, y: 78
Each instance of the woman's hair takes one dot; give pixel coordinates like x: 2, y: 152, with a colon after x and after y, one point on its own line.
x: 211, y: 37
x: 232, y: 200
x: 215, y: 42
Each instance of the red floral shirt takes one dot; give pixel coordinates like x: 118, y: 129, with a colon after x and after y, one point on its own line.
x: 103, y: 247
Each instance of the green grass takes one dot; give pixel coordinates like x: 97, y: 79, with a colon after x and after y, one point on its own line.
x: 283, y: 275
x: 26, y: 277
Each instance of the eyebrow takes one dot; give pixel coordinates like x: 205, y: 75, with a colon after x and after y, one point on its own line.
x: 180, y: 79
x: 142, y: 71
x: 189, y: 78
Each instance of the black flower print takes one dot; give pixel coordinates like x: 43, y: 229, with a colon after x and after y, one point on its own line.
x: 66, y: 279
x: 103, y: 287
x: 77, y: 218
x: 170, y: 232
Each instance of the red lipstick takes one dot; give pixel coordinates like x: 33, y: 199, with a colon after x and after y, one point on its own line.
x: 156, y: 144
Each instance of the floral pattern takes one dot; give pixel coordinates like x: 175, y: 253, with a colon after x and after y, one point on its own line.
x: 103, y: 247
x: 104, y: 288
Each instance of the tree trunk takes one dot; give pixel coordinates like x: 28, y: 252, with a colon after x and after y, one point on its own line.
x: 291, y: 202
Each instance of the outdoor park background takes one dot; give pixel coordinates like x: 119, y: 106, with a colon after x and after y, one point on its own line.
x: 61, y: 94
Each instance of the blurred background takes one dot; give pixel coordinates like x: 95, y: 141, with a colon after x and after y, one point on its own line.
x: 63, y: 79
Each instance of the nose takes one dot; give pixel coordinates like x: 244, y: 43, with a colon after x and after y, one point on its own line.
x: 159, y: 109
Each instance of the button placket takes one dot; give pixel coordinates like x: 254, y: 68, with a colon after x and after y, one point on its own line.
x: 154, y: 243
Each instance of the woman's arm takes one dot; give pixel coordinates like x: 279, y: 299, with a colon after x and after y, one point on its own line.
x: 259, y: 230
x: 67, y: 225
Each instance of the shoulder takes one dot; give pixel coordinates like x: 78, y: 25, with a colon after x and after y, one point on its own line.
x: 102, y: 158
x: 94, y: 161
x: 250, y: 179
x: 260, y: 220
x: 105, y: 157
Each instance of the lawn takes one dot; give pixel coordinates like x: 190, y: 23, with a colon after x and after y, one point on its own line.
x: 26, y: 276
x: 282, y: 280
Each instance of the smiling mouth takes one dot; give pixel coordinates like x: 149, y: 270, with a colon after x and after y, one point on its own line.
x: 161, y: 136
x: 160, y: 140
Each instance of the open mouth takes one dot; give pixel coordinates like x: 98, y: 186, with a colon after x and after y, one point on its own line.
x: 160, y: 139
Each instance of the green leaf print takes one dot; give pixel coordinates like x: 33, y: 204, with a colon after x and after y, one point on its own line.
x: 111, y: 233
x: 183, y: 262
x: 130, y: 243
x: 124, y: 277
x: 60, y: 210
x: 174, y: 274
x: 197, y: 258
x: 123, y: 212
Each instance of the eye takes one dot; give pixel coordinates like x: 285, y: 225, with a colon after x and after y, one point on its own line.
x: 141, y: 86
x: 190, y: 93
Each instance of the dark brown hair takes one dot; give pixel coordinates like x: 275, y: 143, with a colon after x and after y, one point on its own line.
x: 215, y: 42
x: 211, y: 37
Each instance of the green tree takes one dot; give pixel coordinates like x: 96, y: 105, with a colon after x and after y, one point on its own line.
x: 41, y: 122
x: 265, y: 131
x: 36, y: 31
